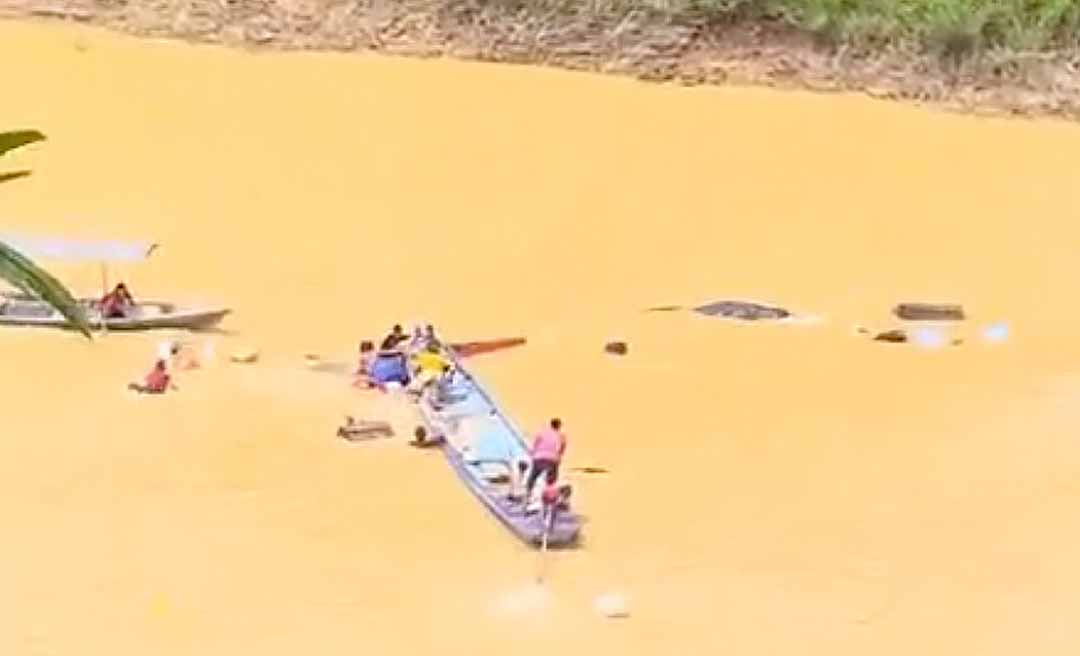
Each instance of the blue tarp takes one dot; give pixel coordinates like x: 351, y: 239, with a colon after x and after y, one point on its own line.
x: 388, y: 369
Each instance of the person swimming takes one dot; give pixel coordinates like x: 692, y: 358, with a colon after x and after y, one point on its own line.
x: 363, y: 367
x: 156, y: 382
x: 117, y: 303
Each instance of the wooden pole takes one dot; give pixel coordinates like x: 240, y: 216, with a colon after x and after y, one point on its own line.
x: 104, y: 291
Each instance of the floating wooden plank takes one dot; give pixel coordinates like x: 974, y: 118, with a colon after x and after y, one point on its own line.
x: 469, y: 349
x: 929, y: 312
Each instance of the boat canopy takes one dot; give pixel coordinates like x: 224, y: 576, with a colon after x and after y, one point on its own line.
x: 70, y: 250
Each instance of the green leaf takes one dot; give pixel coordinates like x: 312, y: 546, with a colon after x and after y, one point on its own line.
x: 29, y: 278
x: 13, y: 175
x: 18, y: 139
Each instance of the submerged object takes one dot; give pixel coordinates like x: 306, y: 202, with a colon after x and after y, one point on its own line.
x: 483, y: 447
x: 616, y: 348
x: 895, y: 336
x: 743, y: 310
x: 929, y: 312
x: 244, y: 355
x: 362, y: 429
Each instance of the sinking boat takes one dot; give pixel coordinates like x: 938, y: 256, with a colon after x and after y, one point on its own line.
x: 18, y: 309
x: 484, y: 447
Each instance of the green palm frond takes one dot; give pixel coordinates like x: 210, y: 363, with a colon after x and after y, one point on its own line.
x: 20, y: 270
x: 18, y: 138
x: 29, y: 278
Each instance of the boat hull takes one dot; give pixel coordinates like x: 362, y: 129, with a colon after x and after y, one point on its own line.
x: 502, y: 446
x: 29, y: 312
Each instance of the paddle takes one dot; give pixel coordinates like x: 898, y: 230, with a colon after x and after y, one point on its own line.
x: 547, y: 517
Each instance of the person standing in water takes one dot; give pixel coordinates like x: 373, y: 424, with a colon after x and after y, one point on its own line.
x: 547, y: 451
x: 362, y: 375
x: 157, y: 381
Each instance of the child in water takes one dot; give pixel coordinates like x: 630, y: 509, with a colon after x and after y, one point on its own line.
x: 156, y: 382
x: 363, y: 368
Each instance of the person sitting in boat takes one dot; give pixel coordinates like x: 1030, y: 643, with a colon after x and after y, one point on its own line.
x: 429, y: 366
x: 363, y: 368
x: 547, y: 451
x: 157, y: 381
x: 416, y: 341
x: 430, y: 337
x: 117, y: 303
x: 393, y: 341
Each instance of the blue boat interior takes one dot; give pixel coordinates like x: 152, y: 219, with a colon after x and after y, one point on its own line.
x: 488, y: 443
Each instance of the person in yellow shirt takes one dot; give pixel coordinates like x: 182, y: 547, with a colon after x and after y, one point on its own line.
x: 429, y: 365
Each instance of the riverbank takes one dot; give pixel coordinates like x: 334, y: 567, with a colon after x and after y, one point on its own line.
x: 713, y: 46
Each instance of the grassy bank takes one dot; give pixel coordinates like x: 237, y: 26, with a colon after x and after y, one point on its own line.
x: 952, y: 28
x: 1002, y: 56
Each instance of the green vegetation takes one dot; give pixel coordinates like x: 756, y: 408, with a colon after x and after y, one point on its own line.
x: 950, y: 27
x: 947, y: 27
x: 18, y: 269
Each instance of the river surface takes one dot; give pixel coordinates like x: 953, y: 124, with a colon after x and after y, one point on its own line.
x: 784, y: 489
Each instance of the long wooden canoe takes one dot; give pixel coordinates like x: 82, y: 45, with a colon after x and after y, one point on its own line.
x: 483, y: 447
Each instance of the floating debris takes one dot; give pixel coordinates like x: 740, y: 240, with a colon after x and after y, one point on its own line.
x: 743, y: 310
x: 616, y: 348
x: 664, y: 308
x: 469, y: 349
x: 896, y: 336
x: 929, y: 312
x: 245, y: 355
x: 363, y: 429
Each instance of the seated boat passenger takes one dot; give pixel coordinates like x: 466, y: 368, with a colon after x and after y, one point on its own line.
x: 118, y: 303
x: 430, y: 337
x: 393, y: 341
x: 429, y: 366
x: 416, y: 341
x: 156, y: 382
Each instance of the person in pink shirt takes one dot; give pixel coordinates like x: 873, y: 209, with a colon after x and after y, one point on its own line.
x: 546, y: 453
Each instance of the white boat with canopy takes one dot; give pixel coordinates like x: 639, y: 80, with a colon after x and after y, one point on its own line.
x: 18, y: 309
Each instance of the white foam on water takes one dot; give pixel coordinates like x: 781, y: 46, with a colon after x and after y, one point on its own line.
x: 527, y: 600
x: 996, y: 333
x: 930, y: 338
x: 612, y: 605
x: 209, y: 350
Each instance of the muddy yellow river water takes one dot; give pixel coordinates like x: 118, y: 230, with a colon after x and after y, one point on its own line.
x: 772, y: 489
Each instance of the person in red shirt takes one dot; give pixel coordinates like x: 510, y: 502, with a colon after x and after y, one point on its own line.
x: 115, y: 304
x: 157, y: 381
